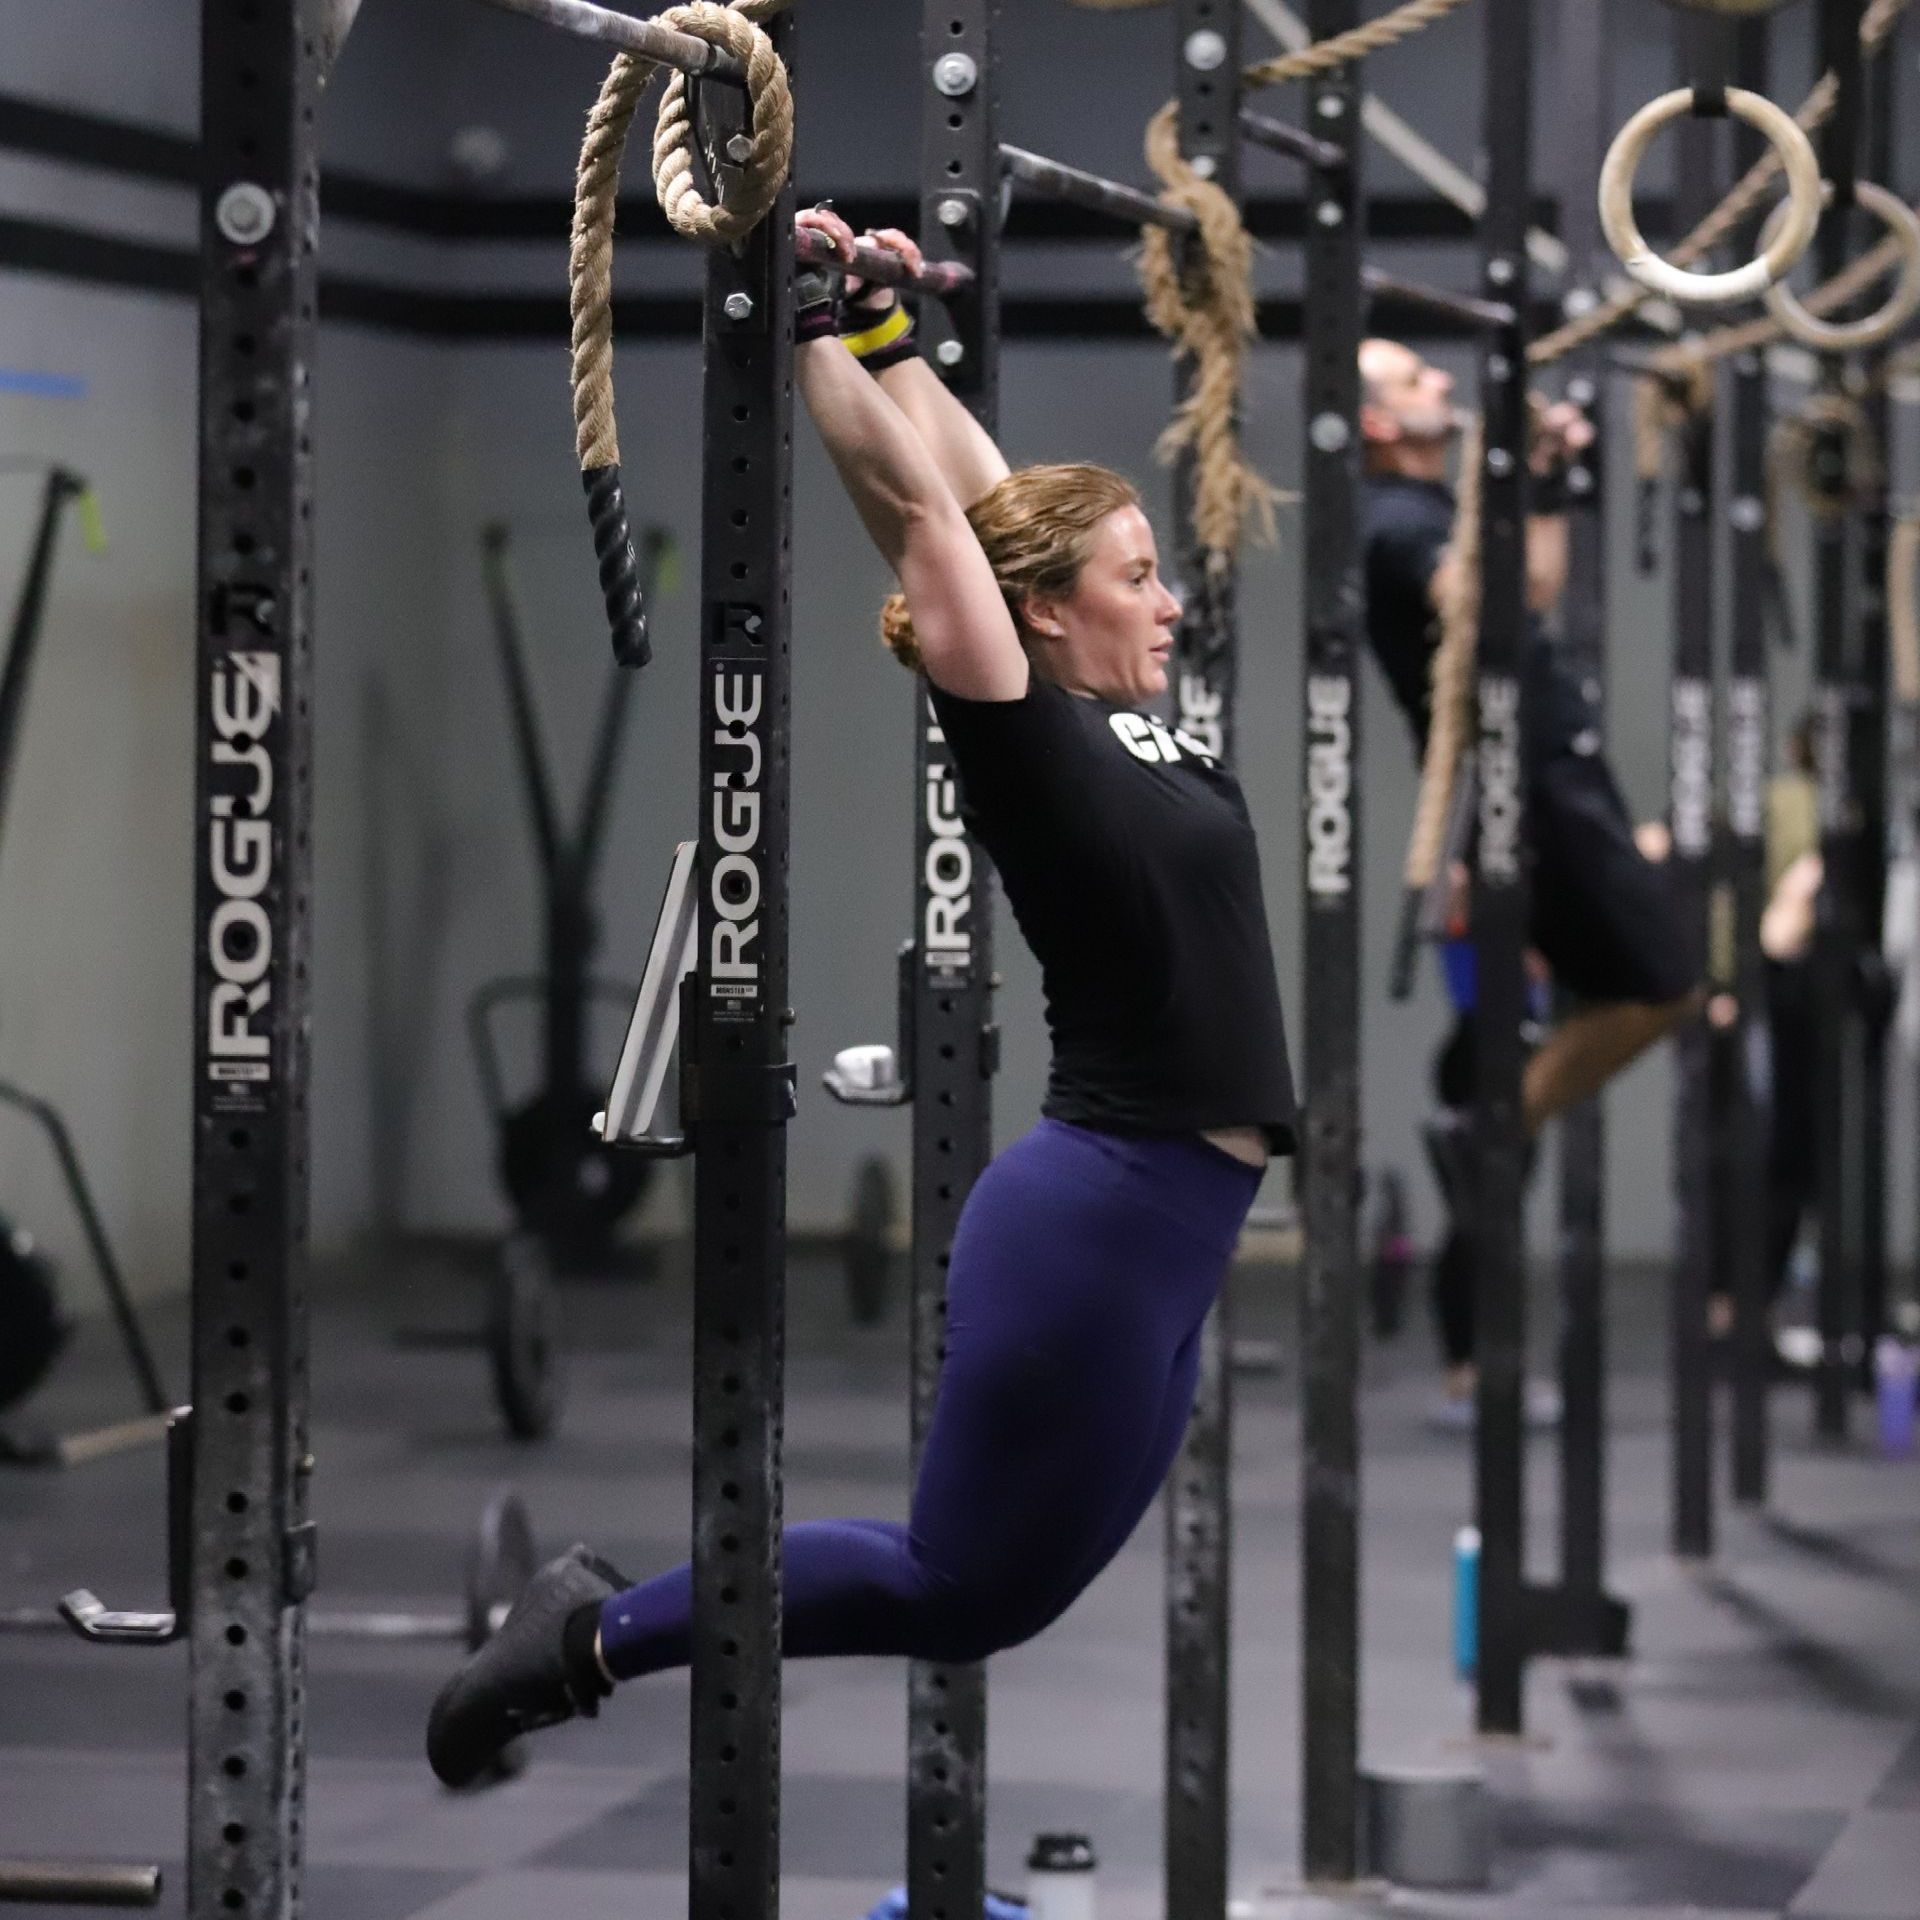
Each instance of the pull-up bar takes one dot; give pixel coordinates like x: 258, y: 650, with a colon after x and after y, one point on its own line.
x: 1277, y: 137
x: 943, y: 279
x: 647, y: 37
x: 1090, y: 190
x: 1492, y: 314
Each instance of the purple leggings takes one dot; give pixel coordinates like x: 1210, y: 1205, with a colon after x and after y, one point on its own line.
x: 1083, y: 1268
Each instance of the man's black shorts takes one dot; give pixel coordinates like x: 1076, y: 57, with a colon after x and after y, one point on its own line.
x: 1604, y: 915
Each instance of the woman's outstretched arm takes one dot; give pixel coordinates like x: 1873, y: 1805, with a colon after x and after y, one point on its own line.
x: 968, y: 645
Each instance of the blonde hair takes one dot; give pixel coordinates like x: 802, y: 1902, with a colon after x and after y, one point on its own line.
x: 1036, y: 528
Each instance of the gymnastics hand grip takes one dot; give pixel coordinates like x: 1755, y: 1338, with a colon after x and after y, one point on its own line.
x: 619, y: 567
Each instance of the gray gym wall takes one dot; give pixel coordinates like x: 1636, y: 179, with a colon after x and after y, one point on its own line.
x: 424, y: 882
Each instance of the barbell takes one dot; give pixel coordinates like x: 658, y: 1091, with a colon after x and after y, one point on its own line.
x: 500, y: 1561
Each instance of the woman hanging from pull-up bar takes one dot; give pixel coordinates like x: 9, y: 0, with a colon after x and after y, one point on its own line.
x: 1090, y: 1252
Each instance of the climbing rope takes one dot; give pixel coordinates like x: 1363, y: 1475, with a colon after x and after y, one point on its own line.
x: 1200, y: 296
x: 1355, y: 44
x: 1749, y: 335
x: 1876, y: 25
x: 1903, y: 606
x: 1450, y: 710
x: 762, y: 158
x: 1732, y: 6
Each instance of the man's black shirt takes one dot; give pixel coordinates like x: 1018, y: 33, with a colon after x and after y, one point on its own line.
x: 1406, y: 524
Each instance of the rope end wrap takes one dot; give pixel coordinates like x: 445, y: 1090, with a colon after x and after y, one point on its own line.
x: 619, y: 566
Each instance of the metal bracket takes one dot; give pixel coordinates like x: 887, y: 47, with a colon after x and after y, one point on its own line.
x: 93, y: 1620
x: 890, y: 1083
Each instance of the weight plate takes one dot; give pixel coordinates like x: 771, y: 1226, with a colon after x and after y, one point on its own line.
x: 523, y: 1338
x: 869, y: 1232
x: 566, y: 1184
x: 499, y: 1565
x: 32, y: 1328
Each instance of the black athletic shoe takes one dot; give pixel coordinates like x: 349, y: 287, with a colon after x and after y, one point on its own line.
x: 524, y: 1677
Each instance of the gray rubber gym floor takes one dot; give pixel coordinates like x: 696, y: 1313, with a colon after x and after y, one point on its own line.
x: 1759, y: 1756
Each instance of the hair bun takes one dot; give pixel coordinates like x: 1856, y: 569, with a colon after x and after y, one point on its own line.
x: 896, y: 632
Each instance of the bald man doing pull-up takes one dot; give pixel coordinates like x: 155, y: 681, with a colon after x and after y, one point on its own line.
x: 1602, y: 913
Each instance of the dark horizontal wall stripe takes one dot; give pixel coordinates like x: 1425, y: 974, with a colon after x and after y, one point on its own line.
x: 71, y: 253
x: 151, y: 153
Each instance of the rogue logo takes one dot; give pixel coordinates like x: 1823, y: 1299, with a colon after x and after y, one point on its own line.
x: 246, y: 701
x: 1692, y: 768
x: 1500, y: 781
x: 1747, y: 758
x: 1329, y: 785
x: 1202, y: 710
x: 946, y: 932
x: 733, y: 887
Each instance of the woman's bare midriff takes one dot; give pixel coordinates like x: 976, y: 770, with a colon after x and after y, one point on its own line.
x: 1244, y: 1143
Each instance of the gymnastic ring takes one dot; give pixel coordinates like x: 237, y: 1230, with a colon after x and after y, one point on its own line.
x: 1775, y: 262
x: 1848, y: 336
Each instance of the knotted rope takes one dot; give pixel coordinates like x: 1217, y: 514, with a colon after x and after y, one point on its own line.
x: 763, y: 157
x: 1200, y: 296
x: 1796, y: 440
x: 1876, y: 25
x: 741, y: 207
x: 1450, y: 708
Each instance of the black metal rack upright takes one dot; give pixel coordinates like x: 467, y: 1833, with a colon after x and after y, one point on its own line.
x: 734, y: 1042
x: 1499, y: 876
x: 1703, y: 45
x: 1840, y: 703
x: 1592, y: 1621
x: 1333, y: 322
x: 1871, y: 769
x: 1747, y: 752
x: 261, y: 73
x: 950, y: 1042
x: 1199, y: 1502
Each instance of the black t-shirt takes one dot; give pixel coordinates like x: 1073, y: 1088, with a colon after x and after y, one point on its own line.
x: 1406, y: 524
x: 1130, y: 863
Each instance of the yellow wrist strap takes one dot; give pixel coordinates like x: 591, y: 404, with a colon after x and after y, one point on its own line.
x: 883, y: 334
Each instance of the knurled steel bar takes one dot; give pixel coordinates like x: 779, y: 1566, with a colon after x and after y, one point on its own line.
x: 943, y: 279
x: 1331, y: 1288
x: 737, y: 1033
x: 645, y: 37
x: 1293, y: 143
x: 1585, y: 67
x: 1748, y: 725
x: 261, y: 69
x: 1078, y: 188
x: 1499, y: 897
x: 1485, y: 315
x: 949, y: 1042
x: 1199, y: 1502
x: 1870, y: 764
x: 1838, y: 934
x: 1704, y: 48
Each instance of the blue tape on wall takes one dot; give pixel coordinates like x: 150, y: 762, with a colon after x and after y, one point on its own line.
x: 46, y: 386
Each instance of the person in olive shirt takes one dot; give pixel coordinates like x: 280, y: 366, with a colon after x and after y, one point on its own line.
x: 1088, y: 1253
x: 1603, y: 917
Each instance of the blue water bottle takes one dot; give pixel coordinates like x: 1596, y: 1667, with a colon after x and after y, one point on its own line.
x: 1466, y: 1602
